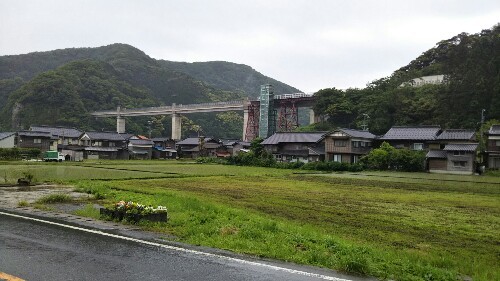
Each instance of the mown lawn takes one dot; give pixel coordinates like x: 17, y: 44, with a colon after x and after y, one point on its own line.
x: 401, y: 226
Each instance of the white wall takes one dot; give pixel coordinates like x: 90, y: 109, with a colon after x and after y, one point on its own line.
x: 8, y: 142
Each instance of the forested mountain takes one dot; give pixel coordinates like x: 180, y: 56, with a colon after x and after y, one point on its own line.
x: 62, y: 87
x: 229, y: 76
x: 471, y: 65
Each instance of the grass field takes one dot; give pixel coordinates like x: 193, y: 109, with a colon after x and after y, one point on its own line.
x: 400, y: 226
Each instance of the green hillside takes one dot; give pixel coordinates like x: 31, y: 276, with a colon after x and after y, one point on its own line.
x: 62, y: 87
x: 83, y: 80
x: 471, y: 65
x: 229, y: 76
x: 65, y: 96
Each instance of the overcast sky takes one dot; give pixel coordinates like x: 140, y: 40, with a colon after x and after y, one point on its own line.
x: 310, y: 45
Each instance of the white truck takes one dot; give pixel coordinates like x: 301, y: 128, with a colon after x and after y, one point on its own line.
x: 53, y: 155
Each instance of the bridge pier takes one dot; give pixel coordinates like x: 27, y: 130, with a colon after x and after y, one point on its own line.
x: 312, y: 117
x: 176, y: 126
x: 120, y: 122
x: 245, y: 122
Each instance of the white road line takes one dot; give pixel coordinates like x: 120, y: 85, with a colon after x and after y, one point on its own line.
x: 179, y: 249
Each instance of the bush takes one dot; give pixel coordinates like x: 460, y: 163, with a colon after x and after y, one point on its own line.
x: 18, y: 153
x: 388, y: 158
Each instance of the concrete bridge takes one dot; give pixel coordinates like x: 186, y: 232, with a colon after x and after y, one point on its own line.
x: 287, y: 103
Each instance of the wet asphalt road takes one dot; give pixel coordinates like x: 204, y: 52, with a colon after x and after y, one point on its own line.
x: 37, y: 251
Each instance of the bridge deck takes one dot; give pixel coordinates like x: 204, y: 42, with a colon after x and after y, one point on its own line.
x: 196, y: 108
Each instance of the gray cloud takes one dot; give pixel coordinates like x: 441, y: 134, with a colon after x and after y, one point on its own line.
x: 307, y: 44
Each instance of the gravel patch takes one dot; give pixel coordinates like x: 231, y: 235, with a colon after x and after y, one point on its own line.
x: 10, y: 196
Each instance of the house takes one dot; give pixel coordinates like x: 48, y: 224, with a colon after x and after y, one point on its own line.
x: 493, y: 147
x: 140, y: 148
x: 35, y: 139
x: 105, y: 145
x: 425, y: 80
x: 454, y: 158
x: 231, y: 148
x: 415, y: 138
x: 198, y: 147
x: 347, y: 145
x: 8, y: 140
x: 68, y: 141
x: 164, y: 148
x: 65, y: 136
x: 296, y: 146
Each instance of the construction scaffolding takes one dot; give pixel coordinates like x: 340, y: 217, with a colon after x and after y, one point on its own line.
x: 267, y: 122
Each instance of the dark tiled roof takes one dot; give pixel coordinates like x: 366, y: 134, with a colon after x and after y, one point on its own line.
x: 126, y: 136
x: 141, y: 142
x: 456, y: 134
x: 436, y: 154
x: 100, y: 148
x: 229, y: 142
x: 209, y: 145
x: 6, y: 135
x: 412, y: 133
x: 34, y: 134
x: 111, y: 136
x: 358, y: 133
x: 317, y: 151
x: 162, y: 139
x: 494, y: 130
x: 58, y: 131
x: 294, y: 138
x: 193, y: 149
x: 461, y: 147
x: 194, y: 141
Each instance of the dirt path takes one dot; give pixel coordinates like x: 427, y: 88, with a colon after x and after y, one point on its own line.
x: 11, y: 195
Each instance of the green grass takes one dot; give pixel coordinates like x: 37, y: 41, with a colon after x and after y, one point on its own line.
x: 400, y: 226
x: 54, y: 198
x: 88, y: 211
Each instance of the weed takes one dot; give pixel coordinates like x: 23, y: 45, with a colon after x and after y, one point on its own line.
x: 54, y: 198
x: 23, y: 203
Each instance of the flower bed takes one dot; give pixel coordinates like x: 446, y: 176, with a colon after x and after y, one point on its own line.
x: 134, y: 212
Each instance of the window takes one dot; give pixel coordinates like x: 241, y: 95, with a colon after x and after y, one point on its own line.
x: 356, y: 144
x: 337, y: 157
x: 37, y: 140
x: 111, y: 144
x: 497, y: 143
x: 459, y: 164
x: 355, y: 158
x: 418, y: 146
x: 97, y: 143
x: 458, y: 153
x: 340, y: 143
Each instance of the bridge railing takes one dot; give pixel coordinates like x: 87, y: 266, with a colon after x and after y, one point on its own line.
x: 293, y: 96
x: 172, y: 108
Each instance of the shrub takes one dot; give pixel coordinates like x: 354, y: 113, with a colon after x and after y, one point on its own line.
x: 388, y: 158
x: 18, y: 153
x: 54, y: 198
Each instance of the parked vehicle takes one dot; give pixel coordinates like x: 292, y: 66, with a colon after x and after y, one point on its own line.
x: 53, y: 155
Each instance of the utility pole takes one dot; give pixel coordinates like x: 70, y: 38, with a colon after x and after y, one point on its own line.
x: 482, y: 145
x: 149, y: 128
x: 364, y: 125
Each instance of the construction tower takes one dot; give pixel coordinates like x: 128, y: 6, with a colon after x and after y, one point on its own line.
x: 267, y: 122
